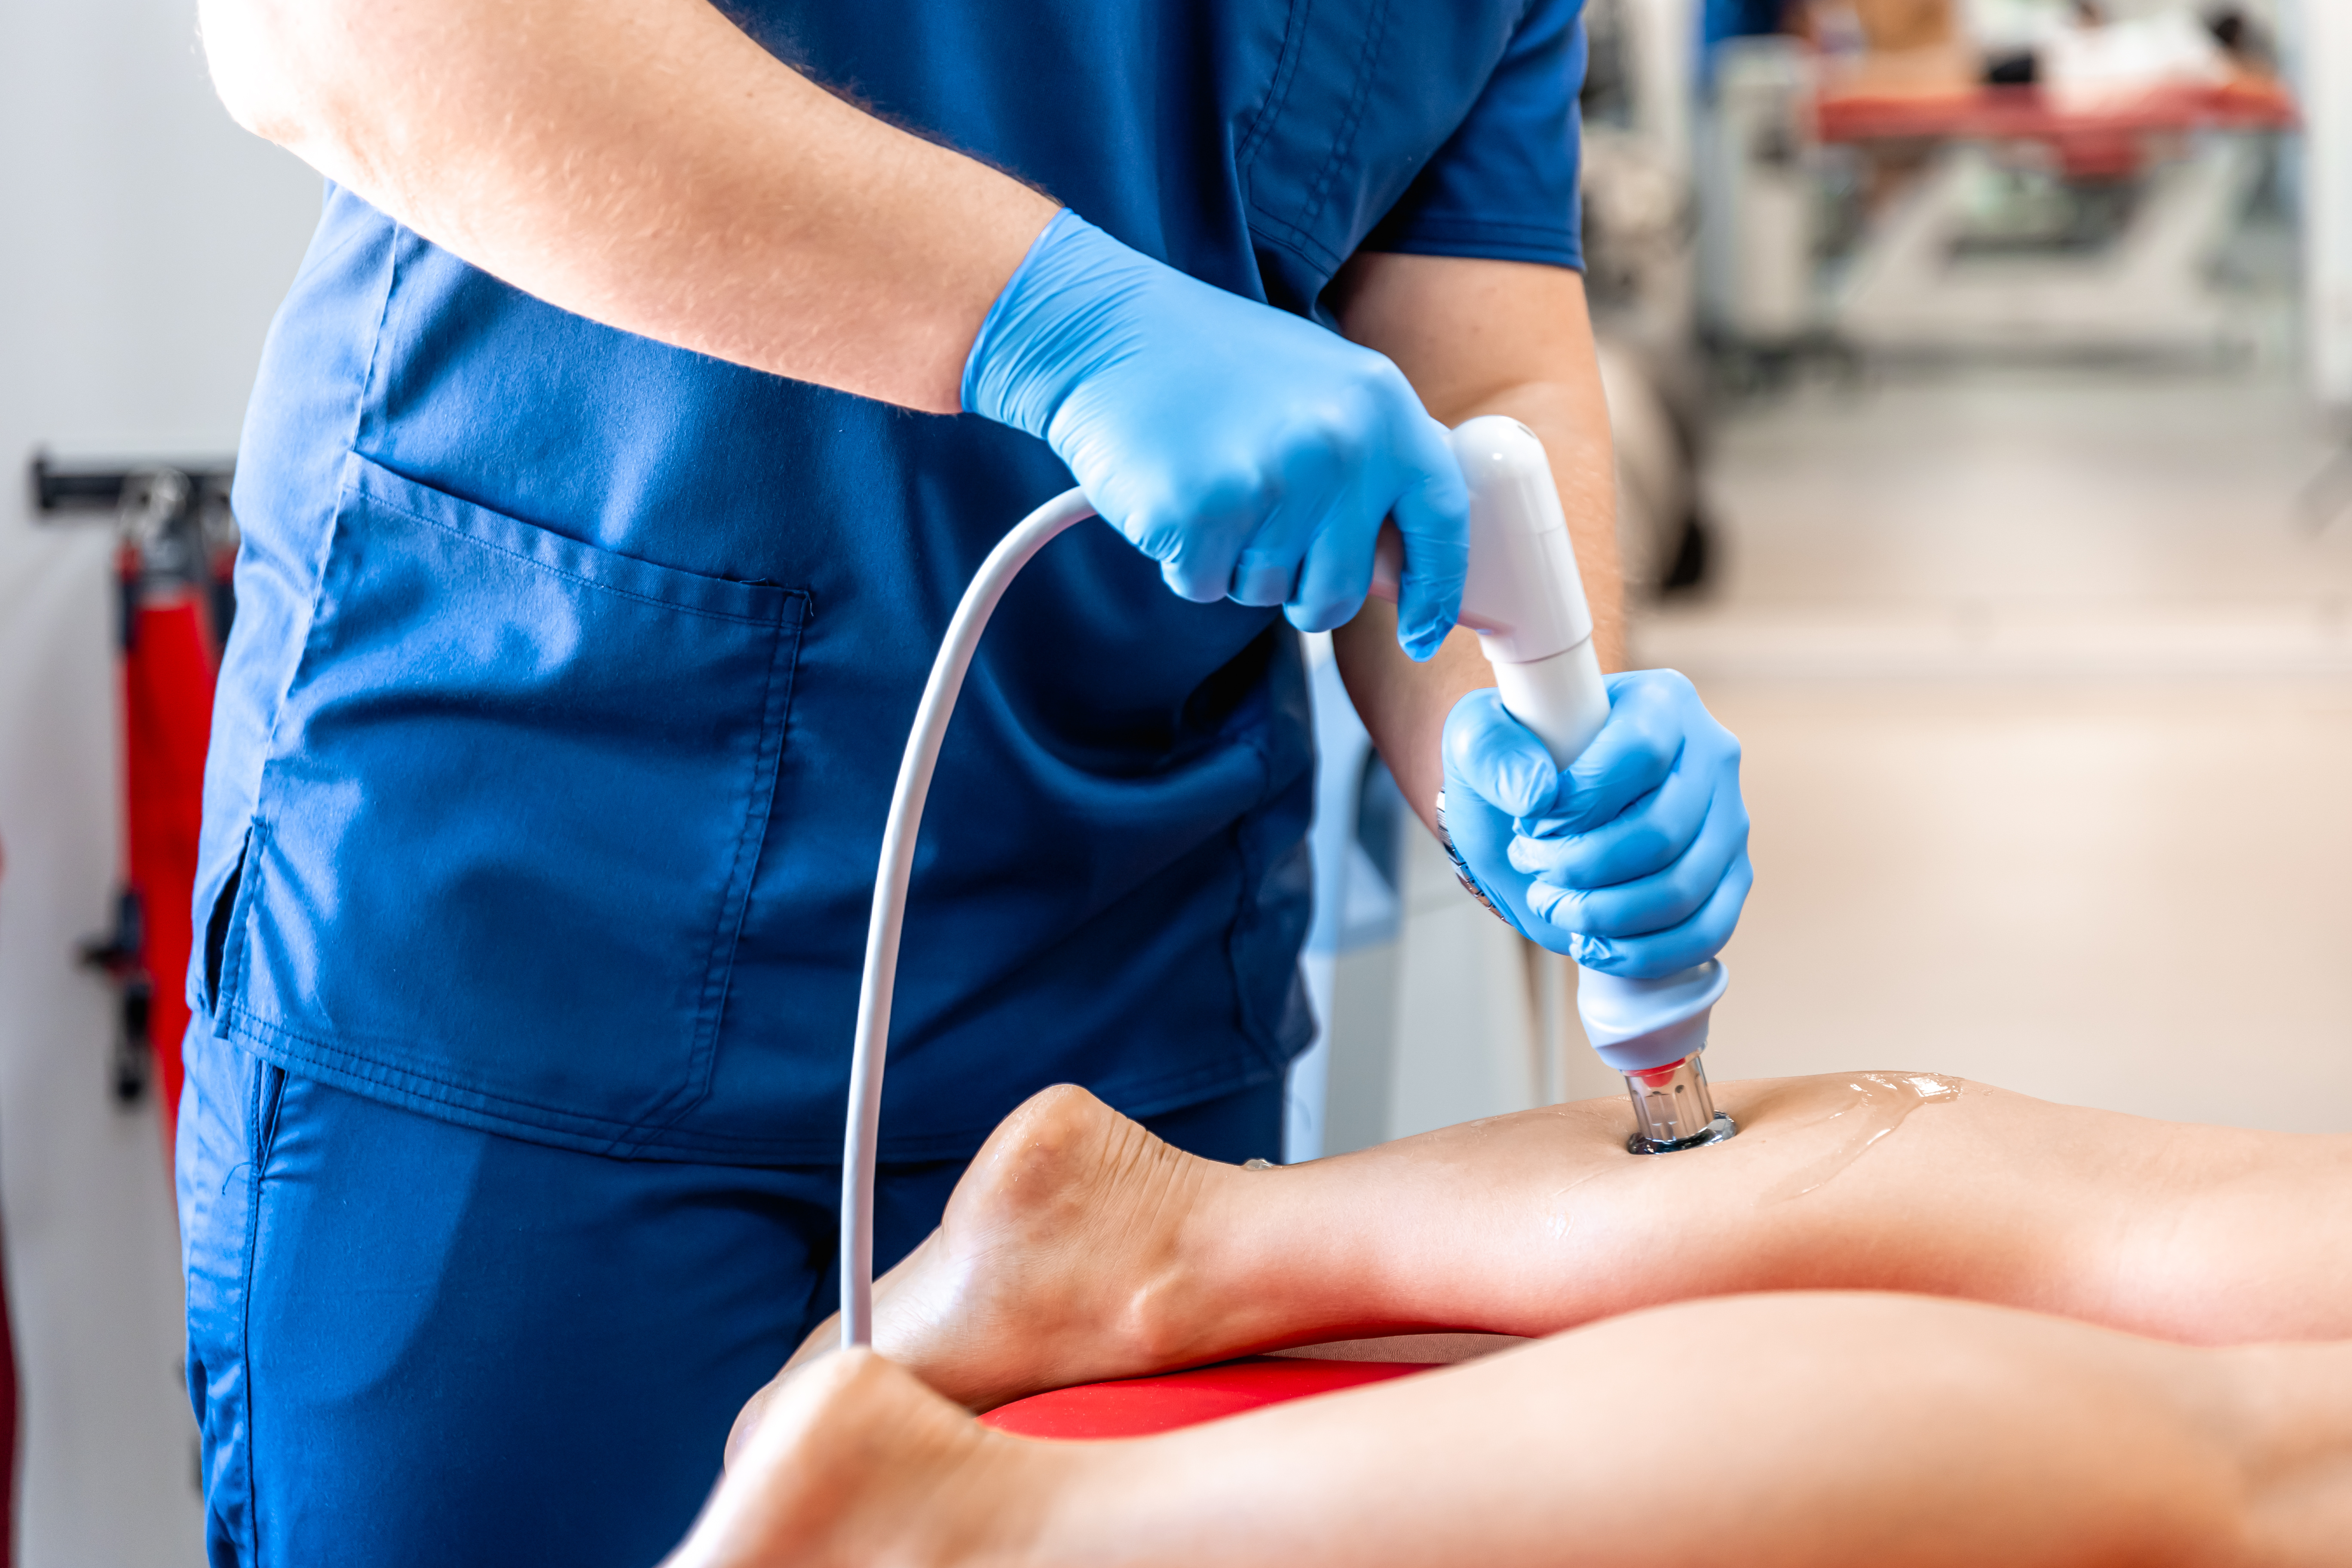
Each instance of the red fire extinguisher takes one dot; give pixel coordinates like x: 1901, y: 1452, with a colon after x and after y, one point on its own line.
x: 178, y: 541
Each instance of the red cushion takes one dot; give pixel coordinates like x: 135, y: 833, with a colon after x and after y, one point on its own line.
x: 1133, y: 1407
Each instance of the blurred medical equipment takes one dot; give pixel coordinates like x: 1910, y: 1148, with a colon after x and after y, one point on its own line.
x: 2327, y: 65
x: 2076, y: 202
x: 178, y: 542
x: 1640, y: 281
x: 1758, y: 197
x: 2191, y: 157
x: 2326, y: 59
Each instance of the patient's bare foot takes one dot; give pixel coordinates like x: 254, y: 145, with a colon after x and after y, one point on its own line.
x: 1062, y: 1257
x: 858, y: 1465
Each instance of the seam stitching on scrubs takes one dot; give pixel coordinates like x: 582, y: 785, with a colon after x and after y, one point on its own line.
x: 1273, y: 231
x: 238, y: 946
x: 791, y: 615
x: 1366, y: 66
x: 263, y: 1139
x: 786, y: 632
x: 411, y: 1080
x: 1285, y: 71
x: 789, y: 594
x: 726, y: 937
x: 239, y: 934
x: 374, y: 394
x: 365, y: 1076
x: 1253, y: 1029
x: 1476, y: 227
x: 387, y: 1076
x: 1553, y: 253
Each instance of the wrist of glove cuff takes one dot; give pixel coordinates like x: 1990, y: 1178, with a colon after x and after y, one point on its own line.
x: 1045, y: 330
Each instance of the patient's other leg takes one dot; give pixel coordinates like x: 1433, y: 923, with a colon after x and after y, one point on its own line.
x: 1819, y: 1430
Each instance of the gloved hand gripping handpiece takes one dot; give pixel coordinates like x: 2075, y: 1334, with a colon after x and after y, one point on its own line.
x: 1525, y: 599
x: 1526, y: 602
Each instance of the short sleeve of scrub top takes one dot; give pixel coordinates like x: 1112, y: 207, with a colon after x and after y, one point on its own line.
x: 1504, y: 186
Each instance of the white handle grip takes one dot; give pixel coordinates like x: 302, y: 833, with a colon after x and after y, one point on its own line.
x: 1525, y: 601
x: 1524, y: 596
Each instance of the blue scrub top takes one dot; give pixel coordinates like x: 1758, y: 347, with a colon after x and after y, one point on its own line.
x: 572, y: 671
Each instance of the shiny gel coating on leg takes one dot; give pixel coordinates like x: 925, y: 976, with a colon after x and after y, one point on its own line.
x: 1879, y: 1102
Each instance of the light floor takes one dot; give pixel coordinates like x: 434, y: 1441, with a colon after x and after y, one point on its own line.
x: 2044, y: 684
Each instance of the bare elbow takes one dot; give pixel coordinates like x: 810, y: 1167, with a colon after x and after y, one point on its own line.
x: 246, y: 47
x: 274, y: 64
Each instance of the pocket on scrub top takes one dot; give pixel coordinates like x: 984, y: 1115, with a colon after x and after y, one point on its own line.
x: 509, y: 818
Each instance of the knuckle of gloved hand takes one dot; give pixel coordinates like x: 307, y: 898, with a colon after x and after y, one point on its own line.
x: 1683, y: 895
x: 1550, y: 904
x: 1358, y: 401
x: 1192, y: 567
x: 1316, y: 615
x: 1553, y: 859
x: 1572, y: 907
x: 1324, y: 612
x: 1647, y: 748
x: 1234, y: 496
x: 1261, y: 579
x: 1669, y: 685
x: 1464, y: 727
x: 1644, y: 846
x: 1154, y: 526
x: 1377, y: 383
x: 1189, y: 580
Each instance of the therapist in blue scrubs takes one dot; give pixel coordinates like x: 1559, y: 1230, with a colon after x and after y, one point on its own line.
x: 656, y: 381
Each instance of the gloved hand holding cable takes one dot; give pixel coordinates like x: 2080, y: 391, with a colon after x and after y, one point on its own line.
x: 1634, y: 859
x: 1251, y: 453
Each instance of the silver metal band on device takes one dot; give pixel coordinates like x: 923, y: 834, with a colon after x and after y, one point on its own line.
x: 1462, y: 868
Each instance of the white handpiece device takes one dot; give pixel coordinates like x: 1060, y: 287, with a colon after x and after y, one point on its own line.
x: 1526, y: 602
x: 1524, y: 596
x: 1525, y: 599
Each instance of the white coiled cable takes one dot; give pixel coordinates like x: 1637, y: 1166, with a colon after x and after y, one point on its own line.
x: 867, y: 1056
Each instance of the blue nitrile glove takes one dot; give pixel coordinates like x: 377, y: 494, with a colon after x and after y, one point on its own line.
x: 1635, y: 862
x: 1251, y: 453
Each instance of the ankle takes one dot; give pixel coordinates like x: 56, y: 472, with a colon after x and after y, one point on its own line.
x: 1221, y: 1292
x: 1170, y: 1293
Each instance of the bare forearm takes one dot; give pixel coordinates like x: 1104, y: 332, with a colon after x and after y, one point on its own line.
x: 1476, y: 338
x: 1511, y: 338
x: 1533, y: 1222
x: 647, y: 165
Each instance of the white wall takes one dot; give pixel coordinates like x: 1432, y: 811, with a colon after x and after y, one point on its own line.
x: 145, y: 240
x: 2321, y: 42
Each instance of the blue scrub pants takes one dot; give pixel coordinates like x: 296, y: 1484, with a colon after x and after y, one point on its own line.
x: 412, y: 1342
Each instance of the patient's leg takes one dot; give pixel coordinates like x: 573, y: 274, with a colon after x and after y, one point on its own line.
x: 1079, y: 1246
x: 1790, y: 1429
